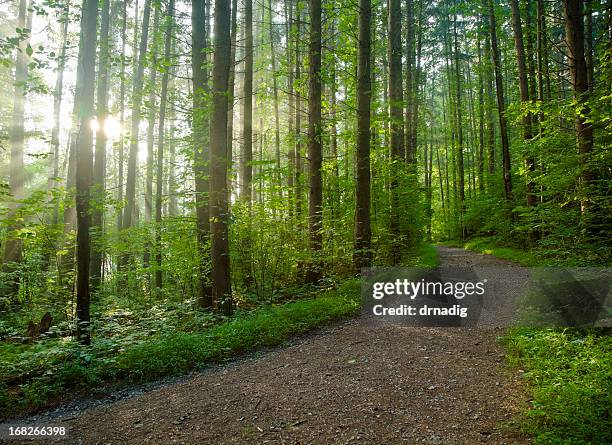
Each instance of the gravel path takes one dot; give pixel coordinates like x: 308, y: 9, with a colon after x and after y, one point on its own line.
x: 347, y: 384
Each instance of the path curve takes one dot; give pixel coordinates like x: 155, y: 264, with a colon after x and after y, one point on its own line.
x: 347, y: 384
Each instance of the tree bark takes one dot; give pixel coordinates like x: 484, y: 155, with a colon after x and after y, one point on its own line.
x: 219, y: 212
x: 99, y: 170
x: 13, y: 246
x: 524, y: 92
x: 396, y: 100
x: 246, y: 170
x: 362, y: 253
x: 160, y: 147
x: 315, y: 203
x: 202, y: 151
x: 130, y: 189
x: 574, y: 37
x: 501, y: 106
x: 460, y: 166
x: 84, y: 100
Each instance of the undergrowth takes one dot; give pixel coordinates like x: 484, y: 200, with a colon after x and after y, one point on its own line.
x: 570, y: 376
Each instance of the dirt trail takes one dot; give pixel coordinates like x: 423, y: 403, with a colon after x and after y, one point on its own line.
x: 351, y: 383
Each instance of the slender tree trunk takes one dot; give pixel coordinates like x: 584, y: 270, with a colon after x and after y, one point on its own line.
x: 458, y: 97
x: 219, y: 211
x: 275, y: 92
x: 246, y: 189
x: 99, y: 171
x: 574, y: 36
x: 524, y: 92
x: 409, y: 152
x: 488, y: 79
x: 13, y: 247
x: 315, y: 202
x: 84, y: 100
x: 231, y: 93
x: 362, y: 254
x: 396, y: 100
x: 290, y: 31
x: 130, y: 190
x: 501, y: 105
x: 160, y: 148
x: 588, y: 51
x: 481, y: 122
x: 151, y: 124
x: 57, y: 107
x: 298, y: 124
x: 121, y: 144
x: 200, y: 139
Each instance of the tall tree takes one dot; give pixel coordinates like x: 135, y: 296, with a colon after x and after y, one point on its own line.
x: 201, y: 145
x: 246, y: 163
x: 152, y: 111
x: 524, y: 91
x: 99, y: 171
x: 58, y: 93
x: 574, y: 37
x: 84, y: 101
x: 13, y: 246
x: 275, y: 92
x: 121, y: 143
x: 130, y: 188
x: 231, y: 92
x: 362, y: 254
x: 396, y: 103
x: 219, y: 212
x: 160, y: 145
x: 501, y: 104
x: 459, y: 117
x: 315, y: 202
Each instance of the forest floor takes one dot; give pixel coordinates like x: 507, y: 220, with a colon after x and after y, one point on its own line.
x: 348, y: 383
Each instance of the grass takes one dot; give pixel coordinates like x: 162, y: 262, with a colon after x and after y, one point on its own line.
x: 570, y: 375
x: 490, y: 246
x: 569, y: 370
x: 179, y: 352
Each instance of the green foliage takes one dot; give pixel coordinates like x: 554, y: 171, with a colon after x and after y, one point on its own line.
x: 570, y: 375
x: 36, y: 375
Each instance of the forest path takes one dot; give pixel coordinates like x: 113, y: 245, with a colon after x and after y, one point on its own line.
x: 349, y: 383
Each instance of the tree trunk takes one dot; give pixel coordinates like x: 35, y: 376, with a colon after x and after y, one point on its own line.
x: 13, y: 246
x: 246, y: 170
x: 501, y: 105
x: 130, y: 189
x: 121, y: 145
x: 396, y: 100
x: 291, y: 105
x: 315, y: 203
x: 151, y: 125
x: 84, y: 100
x: 200, y: 140
x: 460, y: 166
x: 574, y: 36
x: 57, y: 107
x: 99, y: 171
x: 362, y: 254
x: 231, y: 93
x: 481, y: 122
x: 524, y: 92
x: 409, y: 152
x: 219, y: 212
x: 298, y: 124
x: 275, y: 92
x: 160, y: 147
